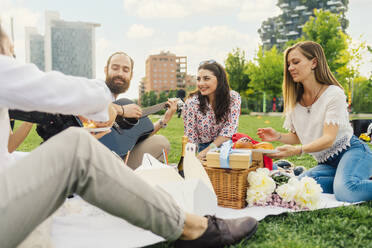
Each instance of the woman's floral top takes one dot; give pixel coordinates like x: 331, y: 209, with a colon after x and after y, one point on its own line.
x: 202, y: 128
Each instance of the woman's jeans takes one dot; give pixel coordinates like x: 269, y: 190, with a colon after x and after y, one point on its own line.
x: 202, y: 146
x: 346, y: 174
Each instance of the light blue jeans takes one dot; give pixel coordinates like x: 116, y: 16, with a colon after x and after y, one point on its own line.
x: 202, y: 146
x: 346, y: 174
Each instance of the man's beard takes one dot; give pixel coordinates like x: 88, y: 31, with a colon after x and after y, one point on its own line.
x: 116, y: 88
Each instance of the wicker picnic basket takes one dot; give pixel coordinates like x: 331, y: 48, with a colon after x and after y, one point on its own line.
x: 231, y: 185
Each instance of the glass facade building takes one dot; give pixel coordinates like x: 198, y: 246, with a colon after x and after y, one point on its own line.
x: 72, y: 49
x: 35, y: 48
x: 68, y: 47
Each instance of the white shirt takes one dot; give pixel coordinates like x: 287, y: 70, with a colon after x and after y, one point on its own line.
x: 27, y: 88
x: 330, y: 108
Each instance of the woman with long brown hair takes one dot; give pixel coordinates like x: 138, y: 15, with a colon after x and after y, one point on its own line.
x: 211, y: 113
x: 317, y: 118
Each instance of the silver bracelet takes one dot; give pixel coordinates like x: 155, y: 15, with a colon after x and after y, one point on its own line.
x: 301, y: 151
x: 280, y: 136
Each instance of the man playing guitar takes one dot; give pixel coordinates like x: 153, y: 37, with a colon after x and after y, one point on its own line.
x: 119, y: 72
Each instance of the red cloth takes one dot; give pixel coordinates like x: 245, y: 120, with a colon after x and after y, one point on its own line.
x: 268, y: 162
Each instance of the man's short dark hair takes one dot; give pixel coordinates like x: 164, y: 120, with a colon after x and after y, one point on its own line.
x: 123, y: 53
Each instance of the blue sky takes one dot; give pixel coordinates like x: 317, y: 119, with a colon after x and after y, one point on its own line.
x: 198, y: 29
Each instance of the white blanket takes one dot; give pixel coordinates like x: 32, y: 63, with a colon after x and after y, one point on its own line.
x: 78, y: 225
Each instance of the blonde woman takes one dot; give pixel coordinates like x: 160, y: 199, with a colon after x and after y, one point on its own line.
x: 317, y: 118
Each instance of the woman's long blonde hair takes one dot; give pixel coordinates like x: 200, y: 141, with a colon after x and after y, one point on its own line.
x: 292, y: 92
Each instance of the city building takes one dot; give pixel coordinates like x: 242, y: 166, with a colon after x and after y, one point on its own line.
x: 164, y: 72
x: 295, y: 13
x: 190, y: 81
x: 34, y: 47
x: 141, y: 87
x: 68, y: 47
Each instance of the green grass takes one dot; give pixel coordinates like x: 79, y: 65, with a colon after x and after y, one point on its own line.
x: 337, y: 227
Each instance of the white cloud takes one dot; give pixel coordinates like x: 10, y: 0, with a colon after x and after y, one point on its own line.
x: 213, y: 35
x: 164, y: 9
x: 149, y: 9
x: 258, y: 10
x: 103, y: 51
x: 210, y: 42
x: 21, y: 17
x: 139, y: 31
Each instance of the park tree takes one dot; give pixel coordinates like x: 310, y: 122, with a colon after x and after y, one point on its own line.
x: 350, y: 71
x: 163, y: 97
x: 172, y: 94
x: 152, y: 98
x: 369, y: 48
x: 145, y: 99
x: 325, y: 29
x: 343, y: 55
x: 266, y: 72
x: 362, y: 100
x: 236, y: 66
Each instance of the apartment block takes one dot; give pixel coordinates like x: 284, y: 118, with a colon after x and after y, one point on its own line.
x: 164, y: 71
x: 295, y: 13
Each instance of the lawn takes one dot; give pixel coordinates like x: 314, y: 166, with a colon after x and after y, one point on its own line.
x: 339, y: 227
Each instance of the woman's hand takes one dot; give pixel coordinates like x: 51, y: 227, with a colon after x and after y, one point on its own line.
x: 202, y: 156
x: 268, y: 134
x: 286, y: 151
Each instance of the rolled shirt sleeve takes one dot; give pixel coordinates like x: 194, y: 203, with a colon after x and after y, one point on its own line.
x: 25, y: 87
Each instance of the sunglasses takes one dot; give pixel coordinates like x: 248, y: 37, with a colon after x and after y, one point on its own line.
x: 205, y: 62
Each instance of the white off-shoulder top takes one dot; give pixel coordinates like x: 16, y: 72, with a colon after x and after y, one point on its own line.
x: 330, y: 108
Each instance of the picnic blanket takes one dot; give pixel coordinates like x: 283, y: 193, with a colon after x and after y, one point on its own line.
x: 77, y: 224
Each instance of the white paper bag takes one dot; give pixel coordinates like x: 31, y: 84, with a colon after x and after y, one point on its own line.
x: 192, y: 194
x: 192, y: 167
